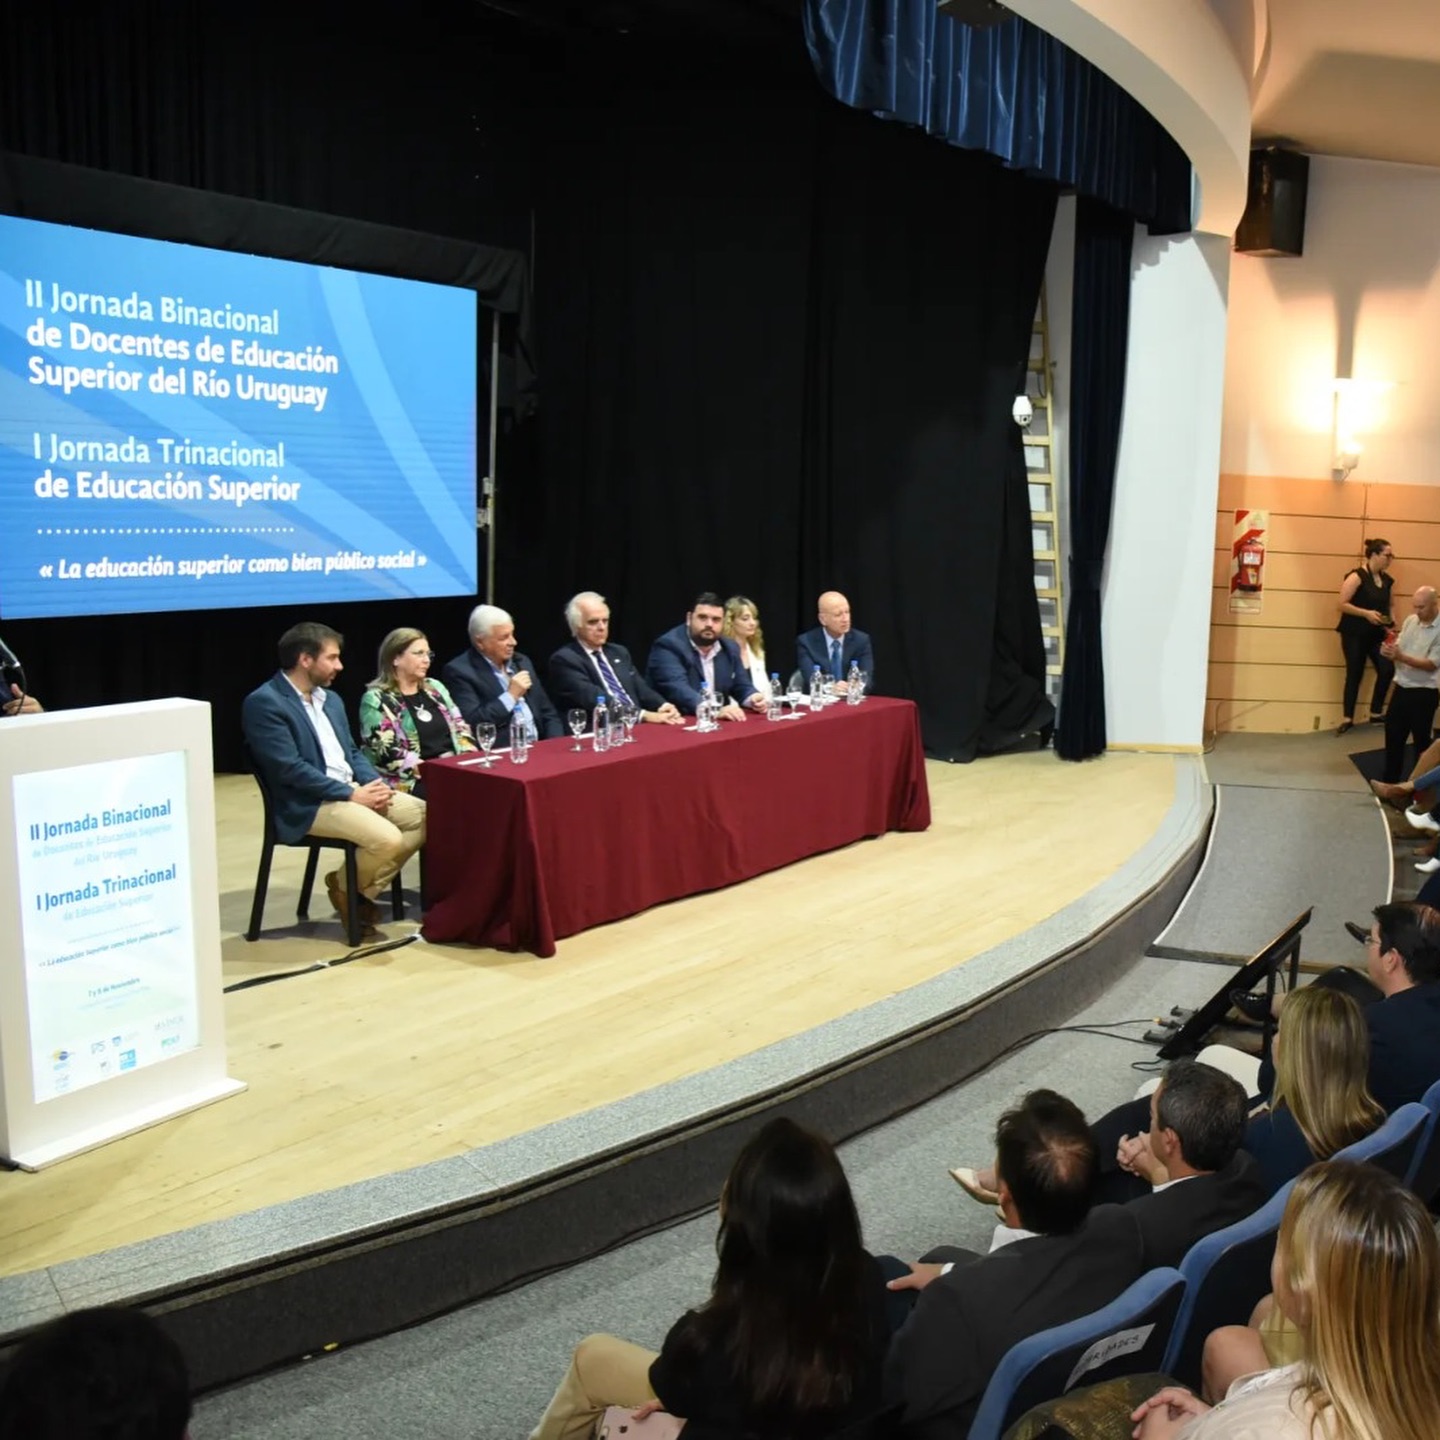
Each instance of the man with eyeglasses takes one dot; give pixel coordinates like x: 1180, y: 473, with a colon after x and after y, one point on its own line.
x: 591, y: 665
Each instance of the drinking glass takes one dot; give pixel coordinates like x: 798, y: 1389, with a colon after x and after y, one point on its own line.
x: 485, y: 735
x: 793, y: 692
x: 577, y: 720
x: 631, y: 717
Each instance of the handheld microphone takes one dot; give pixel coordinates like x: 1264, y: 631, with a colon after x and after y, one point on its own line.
x: 7, y: 658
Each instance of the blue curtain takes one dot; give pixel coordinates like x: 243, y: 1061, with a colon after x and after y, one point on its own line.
x: 1010, y: 90
x: 1103, y: 242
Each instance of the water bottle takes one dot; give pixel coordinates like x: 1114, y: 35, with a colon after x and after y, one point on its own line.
x: 704, y: 711
x: 852, y: 684
x: 519, y: 740
x: 817, y: 686
x: 775, y: 707
x: 600, y: 736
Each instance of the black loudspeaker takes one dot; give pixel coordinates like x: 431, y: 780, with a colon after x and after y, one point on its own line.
x: 977, y: 13
x: 1274, y: 218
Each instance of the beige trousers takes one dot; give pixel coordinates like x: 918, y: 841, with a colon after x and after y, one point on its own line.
x: 604, y: 1370
x: 385, y: 842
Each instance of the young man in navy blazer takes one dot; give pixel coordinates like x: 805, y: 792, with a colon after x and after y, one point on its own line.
x: 833, y: 645
x: 320, y: 781
x: 695, y: 653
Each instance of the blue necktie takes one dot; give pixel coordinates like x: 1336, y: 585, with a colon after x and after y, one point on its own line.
x: 611, y: 679
x: 835, y: 650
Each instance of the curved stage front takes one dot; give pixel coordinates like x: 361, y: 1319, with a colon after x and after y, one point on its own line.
x: 426, y: 1125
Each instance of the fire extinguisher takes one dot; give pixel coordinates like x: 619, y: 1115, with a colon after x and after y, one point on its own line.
x: 1252, y: 562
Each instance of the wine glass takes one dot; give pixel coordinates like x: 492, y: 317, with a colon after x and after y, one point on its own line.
x: 485, y: 734
x: 793, y: 691
x: 631, y: 718
x: 577, y: 720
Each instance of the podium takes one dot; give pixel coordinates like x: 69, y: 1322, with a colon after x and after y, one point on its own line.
x: 111, y: 1008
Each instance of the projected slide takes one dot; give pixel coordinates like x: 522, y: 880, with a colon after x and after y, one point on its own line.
x: 186, y: 429
x: 108, y: 931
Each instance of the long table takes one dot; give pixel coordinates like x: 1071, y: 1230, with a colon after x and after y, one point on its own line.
x: 519, y: 856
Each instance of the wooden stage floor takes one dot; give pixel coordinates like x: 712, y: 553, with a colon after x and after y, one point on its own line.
x: 424, y: 1052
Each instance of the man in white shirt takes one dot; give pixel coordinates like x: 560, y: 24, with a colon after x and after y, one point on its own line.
x: 1416, y: 653
x: 319, y: 780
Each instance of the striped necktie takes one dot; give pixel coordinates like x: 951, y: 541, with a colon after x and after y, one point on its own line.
x: 612, y: 680
x: 836, y: 649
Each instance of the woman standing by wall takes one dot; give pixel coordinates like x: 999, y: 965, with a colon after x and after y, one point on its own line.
x: 1364, y: 618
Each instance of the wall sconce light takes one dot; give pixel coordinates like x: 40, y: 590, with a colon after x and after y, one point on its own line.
x: 1356, y: 408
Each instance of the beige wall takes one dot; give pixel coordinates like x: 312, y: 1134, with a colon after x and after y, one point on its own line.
x: 1281, y: 670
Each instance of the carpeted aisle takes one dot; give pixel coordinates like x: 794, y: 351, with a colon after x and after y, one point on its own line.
x: 1296, y: 826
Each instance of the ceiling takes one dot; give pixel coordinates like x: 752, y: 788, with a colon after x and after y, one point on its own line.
x: 1352, y: 77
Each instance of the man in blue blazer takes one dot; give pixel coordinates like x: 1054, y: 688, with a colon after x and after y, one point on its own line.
x: 493, y: 681
x: 833, y: 645
x: 591, y: 665
x: 319, y: 780
x: 695, y: 653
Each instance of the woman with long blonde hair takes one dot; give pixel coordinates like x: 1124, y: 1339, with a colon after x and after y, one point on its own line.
x: 1357, y: 1270
x: 742, y: 625
x: 1321, y: 1100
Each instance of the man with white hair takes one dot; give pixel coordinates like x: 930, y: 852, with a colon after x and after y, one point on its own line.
x: 592, y: 665
x: 493, y: 681
x: 1416, y: 655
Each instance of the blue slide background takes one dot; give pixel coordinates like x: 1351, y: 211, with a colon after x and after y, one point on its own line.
x: 386, y: 469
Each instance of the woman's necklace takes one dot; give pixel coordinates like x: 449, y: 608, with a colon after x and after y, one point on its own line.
x: 417, y: 703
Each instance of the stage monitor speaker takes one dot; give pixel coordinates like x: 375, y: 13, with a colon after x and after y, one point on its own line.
x: 1274, y: 218
x: 976, y: 13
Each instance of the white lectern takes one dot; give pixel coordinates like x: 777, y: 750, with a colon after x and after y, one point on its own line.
x: 111, y: 1011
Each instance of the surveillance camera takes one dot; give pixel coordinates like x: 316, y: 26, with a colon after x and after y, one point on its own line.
x: 1023, y: 411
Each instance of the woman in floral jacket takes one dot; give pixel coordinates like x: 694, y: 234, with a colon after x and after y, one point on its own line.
x: 405, y: 717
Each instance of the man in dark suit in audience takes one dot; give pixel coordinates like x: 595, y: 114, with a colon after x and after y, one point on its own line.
x: 833, y: 645
x: 1200, y: 1179
x: 1053, y: 1261
x: 695, y: 653
x: 493, y: 681
x: 592, y: 665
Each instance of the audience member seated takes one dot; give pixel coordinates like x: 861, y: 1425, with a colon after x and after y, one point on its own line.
x: 833, y: 645
x: 1320, y: 1102
x: 492, y: 682
x: 19, y: 703
x: 591, y: 665
x: 742, y: 625
x: 790, y: 1343
x: 1357, y: 1271
x: 696, y: 654
x: 1193, y: 1177
x: 109, y: 1374
x: 407, y: 718
x: 321, y: 782
x: 1054, y: 1260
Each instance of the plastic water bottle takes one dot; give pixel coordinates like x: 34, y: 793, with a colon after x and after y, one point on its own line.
x: 705, y: 710
x: 817, y: 688
x: 853, y: 694
x: 600, y: 735
x: 519, y: 740
x: 775, y: 707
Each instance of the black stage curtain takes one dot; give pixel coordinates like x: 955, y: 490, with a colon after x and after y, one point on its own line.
x: 777, y: 341
x: 1103, y: 242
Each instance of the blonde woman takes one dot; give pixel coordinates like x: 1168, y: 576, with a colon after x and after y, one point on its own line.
x: 742, y: 625
x: 1321, y: 1101
x: 1357, y: 1270
x: 405, y: 716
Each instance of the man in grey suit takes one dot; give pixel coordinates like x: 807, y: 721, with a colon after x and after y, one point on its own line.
x: 1053, y: 1261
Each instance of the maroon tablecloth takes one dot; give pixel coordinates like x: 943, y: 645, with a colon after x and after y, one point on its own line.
x: 518, y: 856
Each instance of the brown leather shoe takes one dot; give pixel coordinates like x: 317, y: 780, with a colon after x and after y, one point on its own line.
x: 369, y: 911
x: 1398, y: 797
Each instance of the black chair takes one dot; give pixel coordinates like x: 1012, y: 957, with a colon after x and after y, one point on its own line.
x: 354, y: 931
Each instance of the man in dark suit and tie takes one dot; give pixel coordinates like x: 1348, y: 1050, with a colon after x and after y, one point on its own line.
x: 833, y: 645
x: 493, y: 681
x: 1053, y: 1261
x: 1200, y: 1179
x: 319, y: 779
x: 695, y: 654
x: 591, y: 665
